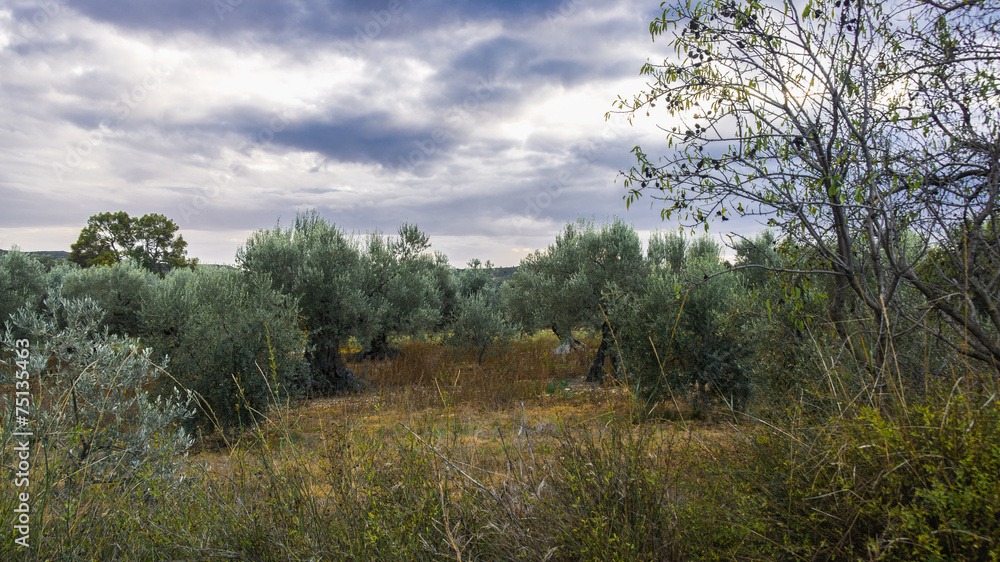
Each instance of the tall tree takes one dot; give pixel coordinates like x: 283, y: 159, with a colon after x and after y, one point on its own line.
x: 151, y: 240
x: 866, y: 133
x: 317, y: 264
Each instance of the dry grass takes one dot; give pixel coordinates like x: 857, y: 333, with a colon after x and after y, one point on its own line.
x: 463, y: 410
x: 439, y: 458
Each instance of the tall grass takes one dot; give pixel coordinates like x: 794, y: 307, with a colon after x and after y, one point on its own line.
x: 445, y: 459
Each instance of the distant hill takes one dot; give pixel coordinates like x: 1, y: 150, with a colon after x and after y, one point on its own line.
x: 503, y: 274
x: 48, y: 258
x: 52, y: 255
x: 57, y: 254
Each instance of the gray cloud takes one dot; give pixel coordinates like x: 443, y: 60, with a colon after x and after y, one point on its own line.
x: 480, y: 121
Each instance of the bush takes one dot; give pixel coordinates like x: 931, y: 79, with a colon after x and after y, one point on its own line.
x: 915, y: 484
x: 95, y: 420
x: 230, y: 338
x: 22, y: 283
x: 119, y: 290
x: 480, y: 324
x: 682, y: 333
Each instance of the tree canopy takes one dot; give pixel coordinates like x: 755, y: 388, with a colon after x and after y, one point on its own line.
x: 317, y: 264
x: 399, y: 286
x: 567, y: 286
x: 151, y: 240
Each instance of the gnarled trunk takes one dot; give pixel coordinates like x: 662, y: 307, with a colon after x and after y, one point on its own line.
x: 378, y: 348
x: 330, y: 373
x: 596, y: 371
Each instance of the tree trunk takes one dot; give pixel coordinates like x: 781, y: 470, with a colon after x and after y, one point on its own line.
x: 330, y: 373
x: 568, y: 340
x: 378, y: 348
x: 596, y: 371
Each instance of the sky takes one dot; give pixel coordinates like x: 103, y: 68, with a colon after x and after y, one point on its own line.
x: 481, y: 122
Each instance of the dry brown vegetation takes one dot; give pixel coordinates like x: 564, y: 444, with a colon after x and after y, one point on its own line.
x: 439, y: 458
x: 443, y: 458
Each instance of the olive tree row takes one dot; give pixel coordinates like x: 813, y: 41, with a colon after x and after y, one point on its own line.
x: 344, y: 289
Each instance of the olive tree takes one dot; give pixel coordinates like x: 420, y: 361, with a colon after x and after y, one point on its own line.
x: 566, y: 286
x: 400, y: 285
x: 230, y: 338
x: 314, y: 262
x: 481, y: 321
x: 865, y: 133
x: 95, y: 416
x: 119, y: 290
x: 22, y: 283
x: 682, y: 331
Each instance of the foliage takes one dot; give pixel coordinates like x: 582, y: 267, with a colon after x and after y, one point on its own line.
x: 918, y: 484
x: 562, y: 478
x: 445, y: 282
x: 95, y: 419
x: 612, y: 497
x: 677, y: 340
x: 151, y: 240
x: 481, y: 323
x: 119, y: 290
x: 22, y: 283
x: 230, y: 338
x: 476, y: 277
x: 864, y: 132
x: 400, y: 285
x: 317, y: 265
x: 565, y: 287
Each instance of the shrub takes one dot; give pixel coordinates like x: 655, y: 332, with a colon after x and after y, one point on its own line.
x: 230, y: 338
x: 95, y: 419
x: 119, y: 290
x: 480, y: 323
x: 914, y: 484
x: 22, y: 283
x: 682, y: 332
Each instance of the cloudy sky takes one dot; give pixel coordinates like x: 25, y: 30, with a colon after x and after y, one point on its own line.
x: 482, y: 122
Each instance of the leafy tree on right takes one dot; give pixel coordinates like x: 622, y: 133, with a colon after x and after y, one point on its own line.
x: 866, y: 134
